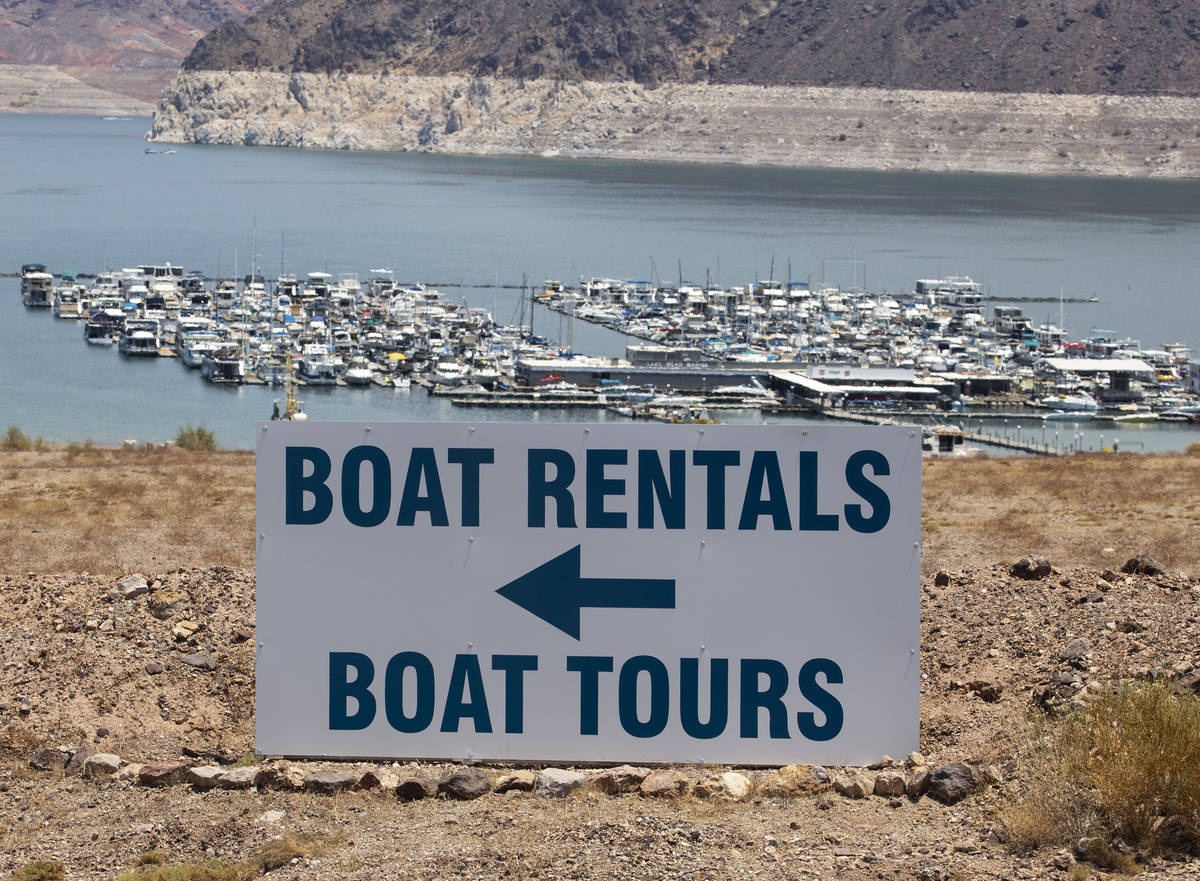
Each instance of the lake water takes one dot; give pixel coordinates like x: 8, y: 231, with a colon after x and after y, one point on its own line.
x: 80, y: 193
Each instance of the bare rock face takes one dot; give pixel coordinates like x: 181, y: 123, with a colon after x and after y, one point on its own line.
x: 805, y: 126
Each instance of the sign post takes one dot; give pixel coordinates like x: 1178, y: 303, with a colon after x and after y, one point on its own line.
x: 611, y: 592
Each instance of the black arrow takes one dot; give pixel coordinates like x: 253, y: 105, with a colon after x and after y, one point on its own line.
x: 555, y: 592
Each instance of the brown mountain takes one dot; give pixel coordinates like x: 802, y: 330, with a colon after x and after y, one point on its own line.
x: 132, y: 47
x: 1134, y: 47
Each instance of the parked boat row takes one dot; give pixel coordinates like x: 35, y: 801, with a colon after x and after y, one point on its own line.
x: 765, y: 345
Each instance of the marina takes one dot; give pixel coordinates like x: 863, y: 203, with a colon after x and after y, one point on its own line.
x: 1116, y: 254
x: 699, y: 351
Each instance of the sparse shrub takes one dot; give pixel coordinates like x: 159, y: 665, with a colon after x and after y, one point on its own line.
x: 1063, y: 154
x: 1127, y: 764
x: 195, y: 437
x: 213, y: 870
x: 1192, y: 449
x: 842, y: 136
x: 39, y: 870
x: 15, y: 439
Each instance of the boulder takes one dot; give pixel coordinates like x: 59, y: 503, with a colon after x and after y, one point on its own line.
x: 621, y: 779
x: 279, y: 777
x: 163, y: 773
x: 730, y: 786
x: 558, y: 782
x: 665, y: 784
x: 101, y: 765
x: 890, y: 784
x: 383, y: 779
x: 204, y: 776
x: 329, y: 782
x: 941, y: 579
x: 854, y: 784
x: 951, y: 783
x: 517, y: 781
x: 467, y: 784
x: 415, y: 788
x: 918, y: 783
x: 1076, y: 650
x: 239, y: 778
x: 1142, y: 564
x: 81, y: 755
x: 989, y: 692
x: 1031, y: 568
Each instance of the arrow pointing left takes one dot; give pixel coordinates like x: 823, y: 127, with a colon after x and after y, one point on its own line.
x: 555, y: 592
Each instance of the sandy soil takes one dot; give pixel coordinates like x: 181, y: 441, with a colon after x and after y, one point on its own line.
x: 81, y: 665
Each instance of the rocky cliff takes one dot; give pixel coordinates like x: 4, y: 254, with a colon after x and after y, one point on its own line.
x: 1044, y: 86
x: 782, y: 125
x: 1134, y: 47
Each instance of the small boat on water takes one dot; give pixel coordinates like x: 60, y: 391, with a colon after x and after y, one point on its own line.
x: 1073, y: 402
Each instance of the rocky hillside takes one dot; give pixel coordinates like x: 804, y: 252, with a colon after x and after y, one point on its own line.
x: 1137, y: 47
x: 130, y: 47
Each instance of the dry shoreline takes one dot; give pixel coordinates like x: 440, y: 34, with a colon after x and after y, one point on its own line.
x: 803, y: 127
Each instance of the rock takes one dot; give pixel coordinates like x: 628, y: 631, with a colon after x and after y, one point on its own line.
x: 516, y: 781
x: 942, y: 579
x: 270, y: 818
x: 49, y: 759
x: 128, y: 774
x: 730, y: 786
x: 383, y: 779
x: 890, y: 784
x: 467, y: 784
x: 1093, y: 597
x: 200, y: 660
x: 415, y: 788
x: 101, y: 765
x: 1063, y: 860
x: 329, y: 782
x: 162, y: 773
x: 204, y: 776
x: 989, y: 692
x: 558, y: 782
x: 1129, y: 625
x: 853, y: 784
x: 154, y: 668
x: 951, y: 783
x: 279, y: 777
x: 1076, y: 650
x: 131, y: 586
x: 1031, y: 568
x: 79, y: 757
x: 665, y: 784
x: 239, y: 778
x: 163, y: 603
x: 242, y: 634
x: 918, y: 783
x: 793, y: 780
x: 184, y: 630
x: 622, y: 779
x: 1142, y: 564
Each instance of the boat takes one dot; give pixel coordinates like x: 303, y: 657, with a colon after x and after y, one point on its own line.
x: 37, y: 286
x: 358, y: 373
x: 69, y: 301
x: 317, y: 365
x: 140, y: 338
x: 223, y: 365
x: 1074, y: 402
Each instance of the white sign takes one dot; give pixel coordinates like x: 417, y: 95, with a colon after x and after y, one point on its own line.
x: 650, y: 593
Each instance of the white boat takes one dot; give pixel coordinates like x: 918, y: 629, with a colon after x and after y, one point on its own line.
x: 37, y: 286
x: 358, y: 373
x: 1073, y: 402
x: 140, y: 337
x: 317, y: 366
x: 69, y: 301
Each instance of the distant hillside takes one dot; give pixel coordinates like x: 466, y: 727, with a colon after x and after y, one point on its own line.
x: 130, y: 47
x: 1129, y: 47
